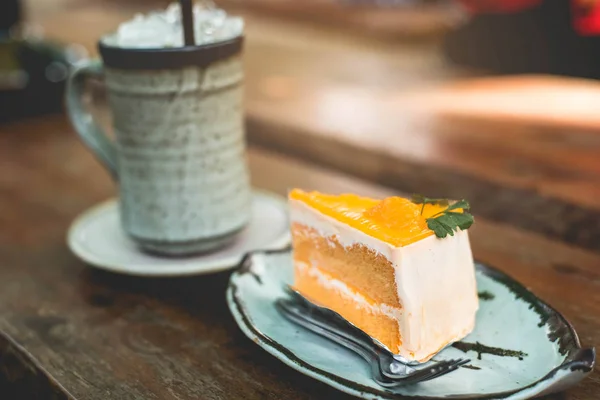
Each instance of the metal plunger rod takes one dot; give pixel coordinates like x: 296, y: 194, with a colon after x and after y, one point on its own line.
x: 187, y: 16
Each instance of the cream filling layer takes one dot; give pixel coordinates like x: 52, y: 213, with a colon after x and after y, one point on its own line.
x: 343, y: 290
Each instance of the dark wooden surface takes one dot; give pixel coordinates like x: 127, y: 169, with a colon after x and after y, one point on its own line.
x: 70, y: 330
x: 425, y: 21
x: 347, y: 107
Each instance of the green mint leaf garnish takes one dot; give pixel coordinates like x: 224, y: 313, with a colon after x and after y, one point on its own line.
x: 448, y: 221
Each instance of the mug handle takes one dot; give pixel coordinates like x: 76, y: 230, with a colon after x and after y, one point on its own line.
x: 82, y: 120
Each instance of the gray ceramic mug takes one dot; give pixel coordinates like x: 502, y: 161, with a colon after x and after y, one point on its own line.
x: 179, y: 154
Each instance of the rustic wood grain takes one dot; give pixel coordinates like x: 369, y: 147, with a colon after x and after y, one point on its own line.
x: 559, y: 161
x: 22, y: 378
x: 105, y: 336
x: 522, y: 207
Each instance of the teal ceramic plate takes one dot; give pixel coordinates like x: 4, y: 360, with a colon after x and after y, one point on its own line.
x: 545, y: 355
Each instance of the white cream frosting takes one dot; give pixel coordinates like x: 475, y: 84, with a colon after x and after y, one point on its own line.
x: 435, y: 280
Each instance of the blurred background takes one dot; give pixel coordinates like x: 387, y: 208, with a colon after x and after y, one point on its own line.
x: 400, y: 78
x: 393, y: 46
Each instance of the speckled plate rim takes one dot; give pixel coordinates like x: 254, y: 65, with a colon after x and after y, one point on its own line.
x: 280, y: 244
x: 577, y: 359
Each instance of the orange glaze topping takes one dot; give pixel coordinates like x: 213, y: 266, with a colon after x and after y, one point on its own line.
x: 395, y: 220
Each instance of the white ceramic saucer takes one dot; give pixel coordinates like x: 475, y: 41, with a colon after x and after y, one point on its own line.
x: 97, y: 238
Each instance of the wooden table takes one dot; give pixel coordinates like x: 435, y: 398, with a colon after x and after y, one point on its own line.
x: 332, y: 112
x: 69, y: 331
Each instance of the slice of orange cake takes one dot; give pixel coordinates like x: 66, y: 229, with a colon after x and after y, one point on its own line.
x: 384, y: 266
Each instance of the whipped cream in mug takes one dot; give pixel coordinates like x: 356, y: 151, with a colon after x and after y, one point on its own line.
x: 164, y: 28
